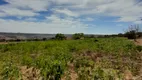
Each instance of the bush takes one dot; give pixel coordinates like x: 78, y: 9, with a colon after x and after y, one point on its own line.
x: 120, y: 35
x: 131, y: 34
x: 60, y: 36
x: 78, y: 36
x: 2, y: 40
x: 44, y: 39
x: 10, y: 72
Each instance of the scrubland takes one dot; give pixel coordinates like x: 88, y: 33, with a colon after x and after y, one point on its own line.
x: 86, y: 59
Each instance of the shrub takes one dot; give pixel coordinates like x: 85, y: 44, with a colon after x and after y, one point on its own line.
x: 120, y: 35
x: 2, y: 40
x: 60, y: 36
x: 131, y: 34
x: 78, y: 36
x: 44, y: 39
x: 10, y: 72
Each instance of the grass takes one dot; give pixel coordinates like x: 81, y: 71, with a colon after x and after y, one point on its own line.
x: 91, y: 58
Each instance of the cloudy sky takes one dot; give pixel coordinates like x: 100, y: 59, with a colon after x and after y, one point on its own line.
x: 69, y: 16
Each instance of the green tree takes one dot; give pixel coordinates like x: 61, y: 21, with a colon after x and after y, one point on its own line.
x: 60, y: 36
x: 78, y: 36
x: 132, y: 31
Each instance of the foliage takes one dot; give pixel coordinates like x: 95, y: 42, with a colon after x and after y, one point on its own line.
x: 132, y: 32
x: 78, y: 36
x: 60, y: 36
x: 139, y: 48
x: 10, y: 72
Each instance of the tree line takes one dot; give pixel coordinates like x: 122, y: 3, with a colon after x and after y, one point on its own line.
x: 133, y: 32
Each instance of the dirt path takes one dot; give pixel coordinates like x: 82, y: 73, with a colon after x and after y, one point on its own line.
x: 72, y: 74
x: 8, y: 42
x: 138, y: 42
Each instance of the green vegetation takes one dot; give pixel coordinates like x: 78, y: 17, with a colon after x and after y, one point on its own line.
x: 133, y: 32
x: 96, y: 58
x: 60, y: 36
x: 78, y: 36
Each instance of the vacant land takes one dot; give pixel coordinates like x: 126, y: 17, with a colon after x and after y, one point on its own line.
x: 97, y: 59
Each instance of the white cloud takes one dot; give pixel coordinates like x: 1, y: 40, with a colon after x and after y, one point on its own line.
x: 36, y: 5
x: 30, y: 19
x: 66, y: 22
x: 57, y: 25
x: 23, y: 8
x: 127, y: 19
x: 2, y: 14
x: 75, y: 12
x: 89, y: 19
x: 66, y: 12
x: 127, y: 10
x: 7, y: 11
x: 69, y: 2
x: 138, y: 22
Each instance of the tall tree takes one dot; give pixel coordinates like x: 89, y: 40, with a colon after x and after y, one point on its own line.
x: 132, y: 32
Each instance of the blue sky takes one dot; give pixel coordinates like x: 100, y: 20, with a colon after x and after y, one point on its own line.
x: 69, y: 16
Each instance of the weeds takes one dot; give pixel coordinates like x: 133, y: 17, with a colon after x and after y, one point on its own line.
x: 91, y: 58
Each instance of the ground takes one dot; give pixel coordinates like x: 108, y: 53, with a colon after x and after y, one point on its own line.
x: 138, y: 42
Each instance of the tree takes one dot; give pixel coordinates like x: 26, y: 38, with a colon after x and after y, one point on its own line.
x: 132, y: 32
x: 139, y: 34
x: 60, y: 36
x: 44, y: 39
x: 120, y: 35
x: 78, y: 36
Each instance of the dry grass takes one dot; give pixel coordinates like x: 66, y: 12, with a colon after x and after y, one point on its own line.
x: 30, y: 73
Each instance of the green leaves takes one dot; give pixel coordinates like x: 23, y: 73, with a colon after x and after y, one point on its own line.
x: 10, y: 71
x: 78, y: 36
x: 60, y: 36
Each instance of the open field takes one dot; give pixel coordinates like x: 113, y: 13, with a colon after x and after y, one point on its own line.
x: 96, y: 58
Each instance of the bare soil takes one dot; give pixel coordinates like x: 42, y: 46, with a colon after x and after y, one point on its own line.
x: 3, y: 42
x: 10, y: 42
x: 138, y: 42
x: 72, y: 74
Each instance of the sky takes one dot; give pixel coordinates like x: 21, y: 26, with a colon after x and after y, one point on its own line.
x: 69, y: 16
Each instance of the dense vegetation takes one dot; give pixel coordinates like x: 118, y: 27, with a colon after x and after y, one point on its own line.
x: 96, y: 58
x: 60, y: 36
x: 78, y: 36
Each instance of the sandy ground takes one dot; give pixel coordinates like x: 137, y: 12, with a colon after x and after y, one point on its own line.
x: 11, y: 42
x: 8, y: 42
x: 3, y: 42
x: 138, y: 42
